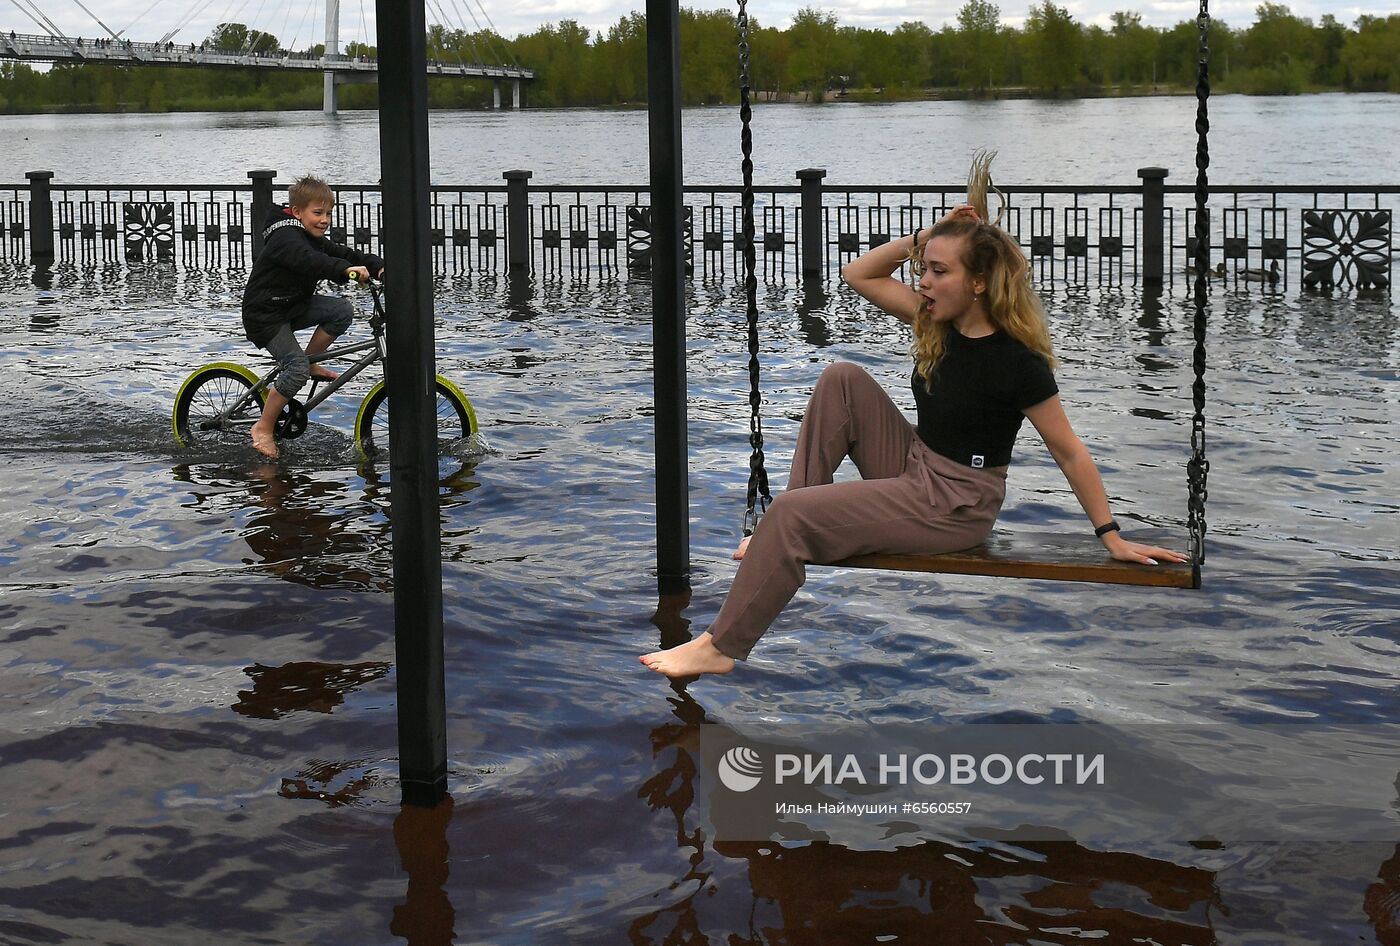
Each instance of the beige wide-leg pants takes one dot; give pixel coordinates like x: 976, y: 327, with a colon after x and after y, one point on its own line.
x: 910, y: 501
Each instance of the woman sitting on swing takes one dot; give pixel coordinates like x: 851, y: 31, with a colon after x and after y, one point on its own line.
x: 982, y: 362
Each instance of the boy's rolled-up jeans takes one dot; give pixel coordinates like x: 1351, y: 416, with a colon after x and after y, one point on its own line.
x: 331, y: 313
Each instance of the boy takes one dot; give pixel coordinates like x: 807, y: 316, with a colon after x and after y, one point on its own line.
x: 281, y: 298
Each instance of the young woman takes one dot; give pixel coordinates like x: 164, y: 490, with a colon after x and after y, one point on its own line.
x: 982, y: 363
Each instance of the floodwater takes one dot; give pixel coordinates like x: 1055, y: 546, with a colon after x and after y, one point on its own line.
x: 197, y: 713
x: 197, y: 731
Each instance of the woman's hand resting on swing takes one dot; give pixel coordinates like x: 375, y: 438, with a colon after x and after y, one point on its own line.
x: 738, y: 555
x: 1125, y: 551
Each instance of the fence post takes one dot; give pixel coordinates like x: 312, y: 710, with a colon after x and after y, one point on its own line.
x: 40, y: 217
x: 1153, y: 225
x: 813, y: 259
x: 262, y: 205
x: 517, y: 220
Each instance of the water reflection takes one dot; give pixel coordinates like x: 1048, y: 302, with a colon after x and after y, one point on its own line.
x: 1382, y: 902
x: 334, y: 783
x: 307, y: 686
x: 319, y: 528
x: 426, y: 916
x: 934, y: 891
x: 811, y: 313
x: 302, y: 533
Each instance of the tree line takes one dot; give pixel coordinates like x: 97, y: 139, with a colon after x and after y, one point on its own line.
x: 1051, y: 54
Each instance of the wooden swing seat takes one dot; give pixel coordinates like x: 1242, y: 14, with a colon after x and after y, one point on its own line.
x: 1044, y: 555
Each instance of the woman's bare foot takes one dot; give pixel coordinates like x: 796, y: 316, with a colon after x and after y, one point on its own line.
x: 323, y: 373
x: 690, y: 659
x: 264, y: 442
x: 738, y: 555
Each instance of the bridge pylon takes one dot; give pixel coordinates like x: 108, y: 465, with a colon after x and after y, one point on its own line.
x: 332, y: 50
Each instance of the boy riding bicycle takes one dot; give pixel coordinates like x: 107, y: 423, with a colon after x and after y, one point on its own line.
x: 281, y: 298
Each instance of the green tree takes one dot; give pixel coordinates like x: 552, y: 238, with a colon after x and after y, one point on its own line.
x: 814, y: 50
x: 1277, y: 52
x: 979, y: 59
x: 912, y: 49
x: 1371, y: 56
x: 1054, y: 48
x: 237, y: 38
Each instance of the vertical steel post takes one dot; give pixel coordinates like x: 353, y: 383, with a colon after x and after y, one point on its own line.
x: 262, y: 204
x: 668, y: 296
x: 403, y: 156
x: 813, y: 259
x: 1153, y: 225
x: 332, y: 50
x: 40, y: 216
x: 517, y: 220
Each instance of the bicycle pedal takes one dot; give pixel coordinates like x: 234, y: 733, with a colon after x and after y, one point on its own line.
x: 291, y: 423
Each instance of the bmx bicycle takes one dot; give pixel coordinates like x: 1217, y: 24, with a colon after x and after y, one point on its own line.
x: 221, y: 401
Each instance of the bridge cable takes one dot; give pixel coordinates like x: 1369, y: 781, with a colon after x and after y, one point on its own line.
x: 480, y: 59
x: 448, y: 29
x: 249, y: 28
x: 364, y: 27
x: 140, y: 16
x: 37, y: 22
x: 308, y: 8
x: 184, y: 21
x: 497, y: 33
x: 52, y: 29
x: 99, y: 20
x: 494, y: 50
x: 291, y: 5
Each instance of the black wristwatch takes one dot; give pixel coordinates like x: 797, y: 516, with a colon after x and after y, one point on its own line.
x: 1109, y: 526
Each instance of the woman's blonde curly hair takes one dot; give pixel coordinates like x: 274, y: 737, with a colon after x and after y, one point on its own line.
x: 992, y: 255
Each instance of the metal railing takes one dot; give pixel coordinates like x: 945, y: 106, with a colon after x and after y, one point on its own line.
x: 1322, y: 236
x: 40, y: 48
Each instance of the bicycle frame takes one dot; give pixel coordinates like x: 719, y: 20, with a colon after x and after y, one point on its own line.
x: 374, y: 352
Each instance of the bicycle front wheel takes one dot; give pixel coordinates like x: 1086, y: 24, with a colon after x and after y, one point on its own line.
x: 456, y: 420
x: 215, y: 404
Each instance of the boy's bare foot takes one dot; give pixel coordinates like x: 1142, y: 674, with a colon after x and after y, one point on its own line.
x: 323, y: 373
x: 690, y: 659
x: 738, y: 555
x: 265, y: 443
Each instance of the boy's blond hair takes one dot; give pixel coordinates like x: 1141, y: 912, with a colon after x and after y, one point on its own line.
x: 309, y: 189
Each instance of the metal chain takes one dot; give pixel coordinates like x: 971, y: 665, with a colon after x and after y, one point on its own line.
x: 1198, y: 467
x: 758, y: 494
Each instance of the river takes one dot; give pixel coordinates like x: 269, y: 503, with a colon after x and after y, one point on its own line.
x: 1334, y: 138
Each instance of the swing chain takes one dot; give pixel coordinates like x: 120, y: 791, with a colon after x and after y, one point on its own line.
x: 1199, y: 467
x: 758, y: 496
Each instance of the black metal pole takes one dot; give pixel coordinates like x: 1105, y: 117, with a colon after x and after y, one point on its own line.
x: 403, y: 156
x: 668, y: 296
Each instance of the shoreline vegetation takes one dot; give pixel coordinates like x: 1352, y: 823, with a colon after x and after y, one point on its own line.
x: 814, y: 59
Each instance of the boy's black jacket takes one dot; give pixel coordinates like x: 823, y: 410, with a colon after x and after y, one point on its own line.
x: 286, y: 272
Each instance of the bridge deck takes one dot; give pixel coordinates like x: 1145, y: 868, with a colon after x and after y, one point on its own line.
x: 35, y: 48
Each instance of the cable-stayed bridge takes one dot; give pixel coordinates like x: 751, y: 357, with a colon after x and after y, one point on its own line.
x: 55, y: 45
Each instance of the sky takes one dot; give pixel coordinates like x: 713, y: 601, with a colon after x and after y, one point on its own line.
x: 301, y: 23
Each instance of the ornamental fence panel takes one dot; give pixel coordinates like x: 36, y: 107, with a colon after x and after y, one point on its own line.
x: 1276, y: 237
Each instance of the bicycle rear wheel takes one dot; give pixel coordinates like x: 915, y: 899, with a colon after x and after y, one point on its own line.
x: 203, y: 409
x: 456, y: 420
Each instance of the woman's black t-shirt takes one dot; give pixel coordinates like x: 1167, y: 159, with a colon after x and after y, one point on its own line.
x: 980, y: 389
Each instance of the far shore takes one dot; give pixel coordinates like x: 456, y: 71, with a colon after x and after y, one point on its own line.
x: 830, y: 96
